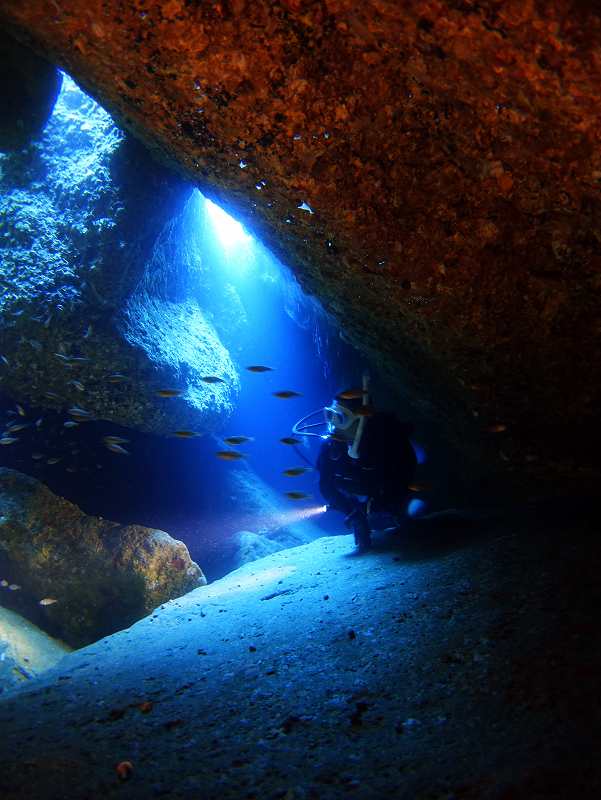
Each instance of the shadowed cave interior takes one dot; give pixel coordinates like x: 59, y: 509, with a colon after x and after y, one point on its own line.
x: 180, y: 618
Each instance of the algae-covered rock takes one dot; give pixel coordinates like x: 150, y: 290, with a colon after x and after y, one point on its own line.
x: 93, y: 280
x: 103, y: 575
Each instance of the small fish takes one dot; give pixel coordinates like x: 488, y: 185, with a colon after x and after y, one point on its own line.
x: 115, y: 440
x: 35, y: 344
x: 79, y: 412
x: 22, y: 672
x: 62, y: 356
x: 116, y: 448
x: 70, y: 469
x: 168, y: 392
x: 236, y: 440
x: 229, y: 455
x: 290, y: 440
x: 178, y: 562
x: 88, y: 332
x: 78, y: 359
x: 4, y: 583
x: 54, y: 460
x: 52, y: 395
x: 295, y: 471
x: 8, y: 440
x: 211, y: 379
x: 38, y: 423
x: 497, y: 428
x: 17, y: 427
x: 21, y: 410
x: 186, y: 434
x: 351, y: 394
x: 297, y: 495
x: 116, y: 377
x: 419, y: 487
x: 78, y: 385
x: 37, y: 456
x: 5, y: 360
x: 70, y: 424
x: 14, y: 587
x: 286, y: 394
x: 48, y: 601
x: 259, y: 368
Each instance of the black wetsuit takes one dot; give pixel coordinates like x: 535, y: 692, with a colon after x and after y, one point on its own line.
x: 385, y: 467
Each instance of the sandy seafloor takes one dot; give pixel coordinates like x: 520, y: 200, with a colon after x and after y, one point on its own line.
x: 456, y: 660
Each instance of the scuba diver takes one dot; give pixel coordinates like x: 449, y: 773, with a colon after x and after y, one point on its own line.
x: 366, y: 461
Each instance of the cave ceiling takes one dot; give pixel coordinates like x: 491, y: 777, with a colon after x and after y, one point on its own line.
x: 430, y: 170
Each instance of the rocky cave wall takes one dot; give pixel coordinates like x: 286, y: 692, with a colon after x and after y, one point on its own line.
x: 430, y: 170
x: 92, y: 308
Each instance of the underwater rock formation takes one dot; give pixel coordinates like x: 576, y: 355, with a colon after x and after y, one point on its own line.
x: 268, y: 510
x: 430, y: 170
x: 251, y: 546
x: 29, y: 86
x: 88, y: 315
x: 103, y: 575
x: 25, y: 650
x: 463, y: 664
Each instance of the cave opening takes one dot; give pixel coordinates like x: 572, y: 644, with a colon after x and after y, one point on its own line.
x: 445, y: 210
x: 155, y: 357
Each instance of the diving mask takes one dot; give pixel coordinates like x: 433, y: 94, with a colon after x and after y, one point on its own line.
x: 339, y: 417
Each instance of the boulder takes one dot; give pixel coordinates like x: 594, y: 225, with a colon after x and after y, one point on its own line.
x: 271, y: 521
x: 103, y: 575
x: 93, y: 275
x: 25, y: 650
x: 251, y: 546
x: 29, y: 86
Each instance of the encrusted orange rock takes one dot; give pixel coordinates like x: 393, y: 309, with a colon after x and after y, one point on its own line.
x: 450, y: 154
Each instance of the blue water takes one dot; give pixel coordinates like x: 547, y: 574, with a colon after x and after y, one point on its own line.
x: 274, y: 338
x: 180, y: 485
